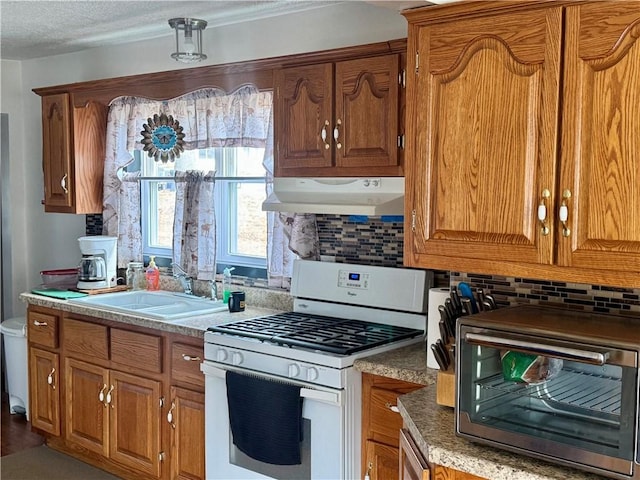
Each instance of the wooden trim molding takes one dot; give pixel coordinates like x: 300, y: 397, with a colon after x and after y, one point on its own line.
x: 170, y: 84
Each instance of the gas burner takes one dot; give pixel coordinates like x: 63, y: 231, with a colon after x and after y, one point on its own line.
x: 317, y: 332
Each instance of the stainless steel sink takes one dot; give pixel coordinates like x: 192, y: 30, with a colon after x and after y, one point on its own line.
x: 156, y: 305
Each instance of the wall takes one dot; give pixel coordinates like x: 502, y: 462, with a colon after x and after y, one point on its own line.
x: 50, y: 240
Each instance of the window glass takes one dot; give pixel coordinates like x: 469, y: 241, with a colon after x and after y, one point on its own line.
x: 241, y: 224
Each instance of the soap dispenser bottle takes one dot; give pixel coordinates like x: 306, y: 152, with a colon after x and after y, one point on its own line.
x: 153, y: 275
x: 226, y: 284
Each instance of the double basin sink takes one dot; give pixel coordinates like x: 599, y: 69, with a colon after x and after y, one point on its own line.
x: 161, y: 305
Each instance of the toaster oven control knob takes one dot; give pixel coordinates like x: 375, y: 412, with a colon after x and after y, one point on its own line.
x: 312, y: 374
x: 221, y: 355
x: 237, y: 358
x: 294, y: 370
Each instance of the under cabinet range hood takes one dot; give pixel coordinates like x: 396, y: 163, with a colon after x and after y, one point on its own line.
x: 337, y: 195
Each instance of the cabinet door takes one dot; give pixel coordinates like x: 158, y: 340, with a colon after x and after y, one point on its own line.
x: 134, y: 422
x: 86, y: 405
x: 482, y: 139
x: 412, y: 466
x: 44, y: 391
x: 303, y: 111
x: 56, y: 151
x: 186, y: 417
x: 366, y: 115
x: 381, y: 461
x: 601, y: 137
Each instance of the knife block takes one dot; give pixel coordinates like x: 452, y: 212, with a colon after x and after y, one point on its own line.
x: 446, y: 388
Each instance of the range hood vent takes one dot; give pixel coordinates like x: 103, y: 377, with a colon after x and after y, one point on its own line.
x: 338, y: 195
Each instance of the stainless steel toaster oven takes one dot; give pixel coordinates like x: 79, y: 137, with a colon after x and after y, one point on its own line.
x: 554, y: 384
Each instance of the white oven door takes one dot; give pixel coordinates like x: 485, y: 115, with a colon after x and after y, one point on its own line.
x: 322, y: 445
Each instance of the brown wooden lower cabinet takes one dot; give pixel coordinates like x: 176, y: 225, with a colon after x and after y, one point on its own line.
x: 381, y: 424
x: 186, y: 418
x: 413, y: 465
x: 127, y: 399
x: 44, y: 394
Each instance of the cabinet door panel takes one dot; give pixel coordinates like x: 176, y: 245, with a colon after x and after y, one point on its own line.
x: 44, y: 391
x: 134, y: 422
x: 487, y: 107
x: 382, y: 461
x: 367, y: 112
x: 86, y: 415
x: 56, y: 151
x: 601, y: 168
x: 187, y: 452
x: 304, y: 107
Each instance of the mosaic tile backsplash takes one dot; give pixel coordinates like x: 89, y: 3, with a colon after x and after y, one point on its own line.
x: 380, y: 241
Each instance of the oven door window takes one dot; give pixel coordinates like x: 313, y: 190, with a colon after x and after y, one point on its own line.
x: 570, y: 408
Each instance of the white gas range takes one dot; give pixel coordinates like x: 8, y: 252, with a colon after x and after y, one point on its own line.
x: 341, y: 312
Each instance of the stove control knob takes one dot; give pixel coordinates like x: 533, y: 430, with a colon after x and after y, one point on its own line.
x: 221, y: 355
x: 294, y: 370
x: 312, y: 374
x: 237, y: 358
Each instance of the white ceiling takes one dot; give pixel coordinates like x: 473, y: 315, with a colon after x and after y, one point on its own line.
x: 34, y: 29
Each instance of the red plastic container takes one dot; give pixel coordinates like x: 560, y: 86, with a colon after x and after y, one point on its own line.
x: 61, y: 279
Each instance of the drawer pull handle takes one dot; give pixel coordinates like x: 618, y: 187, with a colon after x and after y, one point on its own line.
x: 323, y: 134
x: 101, y: 394
x: 40, y: 324
x: 189, y: 358
x: 51, y: 379
x: 109, y: 397
x: 170, y: 415
x: 393, y: 408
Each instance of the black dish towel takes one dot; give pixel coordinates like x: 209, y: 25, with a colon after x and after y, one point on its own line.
x: 265, y: 418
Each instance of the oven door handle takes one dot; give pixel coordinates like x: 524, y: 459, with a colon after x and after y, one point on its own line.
x: 333, y: 398
x: 566, y: 353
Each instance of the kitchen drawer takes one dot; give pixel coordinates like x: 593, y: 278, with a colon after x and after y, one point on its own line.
x: 85, y: 339
x: 385, y: 422
x: 138, y: 350
x: 42, y: 328
x: 185, y: 364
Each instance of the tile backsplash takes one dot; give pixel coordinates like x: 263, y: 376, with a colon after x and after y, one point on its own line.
x: 380, y: 241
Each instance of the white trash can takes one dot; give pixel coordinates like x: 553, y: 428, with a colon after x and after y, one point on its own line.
x: 14, y: 338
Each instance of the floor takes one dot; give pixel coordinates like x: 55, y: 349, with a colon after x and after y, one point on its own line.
x: 15, y: 431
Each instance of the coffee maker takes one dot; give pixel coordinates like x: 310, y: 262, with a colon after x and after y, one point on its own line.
x: 97, y: 269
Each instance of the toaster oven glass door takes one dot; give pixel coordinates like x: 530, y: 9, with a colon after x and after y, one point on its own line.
x: 576, y: 403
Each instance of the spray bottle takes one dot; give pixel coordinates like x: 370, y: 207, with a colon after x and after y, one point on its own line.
x: 226, y: 284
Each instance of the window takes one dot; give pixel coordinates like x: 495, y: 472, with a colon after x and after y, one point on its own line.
x: 241, y: 225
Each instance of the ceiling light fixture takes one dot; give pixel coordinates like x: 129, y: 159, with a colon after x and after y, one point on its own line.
x: 189, y: 44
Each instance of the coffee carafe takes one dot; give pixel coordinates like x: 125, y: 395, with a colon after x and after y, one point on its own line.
x: 98, y: 266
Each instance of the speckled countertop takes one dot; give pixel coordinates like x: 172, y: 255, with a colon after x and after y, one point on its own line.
x: 259, y: 302
x: 432, y: 426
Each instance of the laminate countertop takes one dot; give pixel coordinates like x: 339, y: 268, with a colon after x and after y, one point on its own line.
x: 260, y: 302
x: 432, y: 426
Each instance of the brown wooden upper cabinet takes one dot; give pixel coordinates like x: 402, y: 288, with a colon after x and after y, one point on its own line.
x: 73, y: 149
x: 522, y: 161
x: 339, y: 119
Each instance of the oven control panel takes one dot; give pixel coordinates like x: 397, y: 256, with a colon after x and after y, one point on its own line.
x: 352, y: 279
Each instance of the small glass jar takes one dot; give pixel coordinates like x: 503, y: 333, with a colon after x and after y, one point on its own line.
x: 136, y: 279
